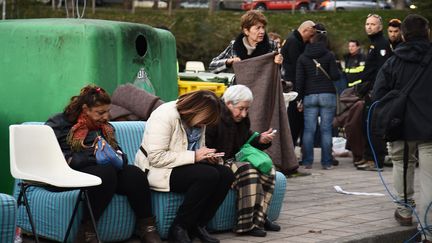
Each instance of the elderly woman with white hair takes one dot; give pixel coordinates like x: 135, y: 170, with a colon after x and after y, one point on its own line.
x: 254, y: 189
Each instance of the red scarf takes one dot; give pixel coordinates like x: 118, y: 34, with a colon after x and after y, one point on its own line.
x: 79, y: 132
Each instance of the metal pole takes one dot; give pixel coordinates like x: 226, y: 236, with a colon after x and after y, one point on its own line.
x: 4, y: 10
x: 293, y: 6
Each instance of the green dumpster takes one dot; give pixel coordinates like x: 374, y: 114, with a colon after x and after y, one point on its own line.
x: 45, y: 61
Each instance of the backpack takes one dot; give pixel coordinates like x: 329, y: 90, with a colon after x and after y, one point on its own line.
x: 388, y: 115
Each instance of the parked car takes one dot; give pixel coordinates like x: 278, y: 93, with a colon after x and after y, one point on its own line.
x: 353, y: 4
x: 264, y: 4
x: 194, y: 4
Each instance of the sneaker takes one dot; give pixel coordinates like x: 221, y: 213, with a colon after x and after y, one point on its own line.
x: 308, y: 167
x: 330, y: 167
x: 369, y: 166
x: 403, y: 216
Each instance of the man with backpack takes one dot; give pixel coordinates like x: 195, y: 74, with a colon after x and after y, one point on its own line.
x: 411, y: 66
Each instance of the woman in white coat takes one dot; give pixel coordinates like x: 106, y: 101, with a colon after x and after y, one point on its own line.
x: 174, y: 153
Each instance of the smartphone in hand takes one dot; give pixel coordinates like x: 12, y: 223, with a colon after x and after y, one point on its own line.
x: 216, y: 155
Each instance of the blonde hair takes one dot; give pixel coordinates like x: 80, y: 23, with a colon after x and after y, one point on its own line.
x: 199, y: 107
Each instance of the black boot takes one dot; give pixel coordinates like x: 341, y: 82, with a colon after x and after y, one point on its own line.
x: 255, y: 231
x: 271, y: 226
x: 178, y: 234
x: 203, y: 235
x: 147, y: 230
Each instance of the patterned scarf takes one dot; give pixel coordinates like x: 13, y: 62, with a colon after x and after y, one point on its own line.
x: 193, y: 136
x: 79, y: 132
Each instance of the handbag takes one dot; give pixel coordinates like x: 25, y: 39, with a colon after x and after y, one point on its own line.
x: 338, y: 103
x: 105, y: 154
x: 259, y: 159
x: 388, y: 115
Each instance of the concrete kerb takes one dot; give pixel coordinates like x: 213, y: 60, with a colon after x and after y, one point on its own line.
x: 392, y: 235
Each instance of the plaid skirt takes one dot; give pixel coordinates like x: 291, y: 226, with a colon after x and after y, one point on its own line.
x: 254, y: 192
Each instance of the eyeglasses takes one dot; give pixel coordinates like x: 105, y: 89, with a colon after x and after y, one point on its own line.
x: 375, y: 16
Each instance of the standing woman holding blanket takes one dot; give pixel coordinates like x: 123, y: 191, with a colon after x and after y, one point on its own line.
x: 78, y: 128
x: 173, y: 150
x: 254, y: 188
x: 251, y: 42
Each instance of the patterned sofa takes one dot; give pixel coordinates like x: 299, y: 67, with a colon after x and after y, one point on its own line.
x: 52, y: 211
x: 8, y: 211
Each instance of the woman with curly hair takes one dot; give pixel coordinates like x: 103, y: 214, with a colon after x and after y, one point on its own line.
x: 83, y: 120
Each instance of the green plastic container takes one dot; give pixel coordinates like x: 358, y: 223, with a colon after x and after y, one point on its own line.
x: 46, y: 61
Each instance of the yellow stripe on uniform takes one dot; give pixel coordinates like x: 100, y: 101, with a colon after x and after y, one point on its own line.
x: 354, y: 83
x: 358, y: 69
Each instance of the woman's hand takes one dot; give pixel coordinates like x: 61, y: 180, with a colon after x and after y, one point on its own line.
x: 300, y: 106
x: 232, y: 60
x: 203, y: 153
x: 278, y: 59
x: 267, y: 136
x: 215, y: 160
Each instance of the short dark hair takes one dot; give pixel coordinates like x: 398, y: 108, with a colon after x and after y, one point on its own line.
x: 395, y: 23
x: 355, y: 41
x: 320, y: 38
x: 415, y: 27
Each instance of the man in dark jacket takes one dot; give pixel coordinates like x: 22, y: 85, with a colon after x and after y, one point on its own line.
x: 379, y: 52
x: 394, y: 33
x: 291, y: 50
x: 417, y: 129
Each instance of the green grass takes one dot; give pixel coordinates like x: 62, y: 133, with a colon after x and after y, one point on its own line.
x: 201, y: 36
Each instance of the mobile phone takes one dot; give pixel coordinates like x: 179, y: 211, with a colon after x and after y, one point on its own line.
x: 221, y: 154
x: 215, y: 155
x: 274, y: 131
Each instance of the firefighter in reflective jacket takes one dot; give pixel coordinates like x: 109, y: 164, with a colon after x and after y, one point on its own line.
x: 354, y: 63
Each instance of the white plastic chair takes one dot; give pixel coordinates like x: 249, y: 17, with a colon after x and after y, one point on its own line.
x: 36, y: 158
x: 194, y: 67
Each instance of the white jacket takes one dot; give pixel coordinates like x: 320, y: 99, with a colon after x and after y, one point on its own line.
x: 165, y: 142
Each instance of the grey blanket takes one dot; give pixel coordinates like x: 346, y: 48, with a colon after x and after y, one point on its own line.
x: 131, y: 103
x: 268, y: 109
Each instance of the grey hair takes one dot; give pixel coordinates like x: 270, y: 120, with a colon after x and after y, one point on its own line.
x: 237, y: 93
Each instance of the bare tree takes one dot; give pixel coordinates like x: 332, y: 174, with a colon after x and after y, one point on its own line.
x: 170, y: 5
x: 212, y: 6
x: 399, y: 4
x: 155, y: 4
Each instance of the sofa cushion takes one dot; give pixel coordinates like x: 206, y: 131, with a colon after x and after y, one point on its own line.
x: 52, y: 210
x: 8, y: 208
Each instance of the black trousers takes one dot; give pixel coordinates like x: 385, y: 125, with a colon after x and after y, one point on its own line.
x: 296, y: 122
x: 131, y: 182
x: 379, y: 145
x: 205, y: 187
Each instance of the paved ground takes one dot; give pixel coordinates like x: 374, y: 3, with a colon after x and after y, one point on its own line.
x: 314, y: 212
